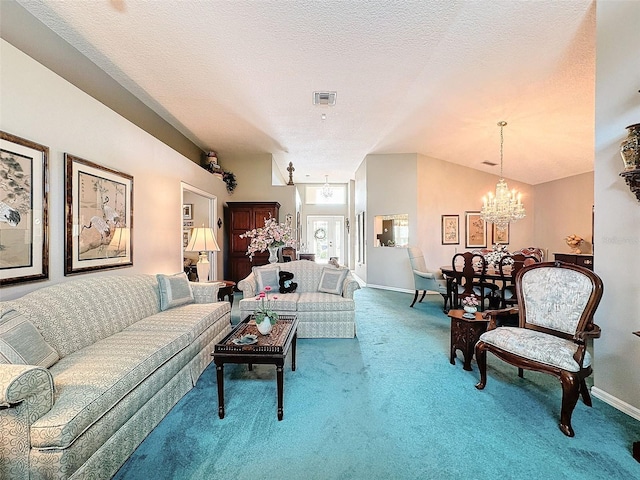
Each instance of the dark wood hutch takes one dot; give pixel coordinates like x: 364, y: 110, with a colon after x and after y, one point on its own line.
x: 239, y: 218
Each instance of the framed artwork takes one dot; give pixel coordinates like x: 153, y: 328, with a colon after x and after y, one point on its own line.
x: 476, y: 230
x: 187, y: 211
x: 186, y: 236
x: 99, y: 217
x: 24, y: 213
x: 187, y: 224
x: 450, y: 225
x: 500, y: 235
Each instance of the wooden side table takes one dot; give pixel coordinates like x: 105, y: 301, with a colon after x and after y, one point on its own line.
x: 465, y: 333
x: 225, y: 290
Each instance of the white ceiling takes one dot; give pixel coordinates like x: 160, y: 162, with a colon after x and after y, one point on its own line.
x: 432, y: 77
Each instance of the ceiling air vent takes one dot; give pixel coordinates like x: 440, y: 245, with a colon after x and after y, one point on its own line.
x: 324, y: 98
x: 491, y: 164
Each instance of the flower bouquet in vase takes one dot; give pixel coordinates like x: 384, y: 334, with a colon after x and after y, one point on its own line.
x: 470, y: 305
x: 264, y: 315
x: 272, y: 236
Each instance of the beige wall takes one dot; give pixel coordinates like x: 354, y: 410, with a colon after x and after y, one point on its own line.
x: 617, y: 211
x: 563, y: 207
x: 254, y: 176
x: 449, y: 189
x: 41, y: 106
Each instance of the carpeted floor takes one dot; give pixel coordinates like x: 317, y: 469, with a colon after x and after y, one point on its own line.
x: 385, y: 405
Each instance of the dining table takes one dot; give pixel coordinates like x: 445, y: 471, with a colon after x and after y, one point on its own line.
x: 492, y: 274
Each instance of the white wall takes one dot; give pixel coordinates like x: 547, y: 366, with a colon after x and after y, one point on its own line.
x: 617, y: 211
x: 391, y: 189
x: 38, y: 105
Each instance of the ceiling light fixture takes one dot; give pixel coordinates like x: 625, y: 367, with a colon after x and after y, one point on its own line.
x: 327, y: 191
x: 505, y: 206
x: 324, y: 98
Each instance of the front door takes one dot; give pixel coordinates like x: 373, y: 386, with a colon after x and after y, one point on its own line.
x: 325, y: 237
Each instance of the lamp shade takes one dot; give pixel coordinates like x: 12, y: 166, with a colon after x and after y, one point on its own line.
x: 120, y: 241
x: 202, y: 240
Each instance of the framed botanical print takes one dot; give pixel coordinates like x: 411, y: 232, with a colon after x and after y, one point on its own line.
x: 99, y: 217
x: 24, y: 228
x: 476, y: 230
x: 450, y: 225
x: 500, y: 235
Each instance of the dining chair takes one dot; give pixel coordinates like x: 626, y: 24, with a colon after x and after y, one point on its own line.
x: 534, y: 252
x: 557, y: 303
x: 469, y: 270
x: 508, y: 267
x: 424, y: 279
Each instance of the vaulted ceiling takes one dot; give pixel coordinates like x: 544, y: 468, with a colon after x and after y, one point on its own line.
x: 428, y: 77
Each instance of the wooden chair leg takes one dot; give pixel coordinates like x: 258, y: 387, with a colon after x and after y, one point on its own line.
x: 415, y: 297
x: 570, y: 394
x: 481, y: 360
x: 422, y: 297
x: 586, y: 397
x: 445, y: 297
x: 520, y: 372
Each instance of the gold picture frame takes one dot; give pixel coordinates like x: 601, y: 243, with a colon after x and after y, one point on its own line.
x: 476, y: 230
x: 450, y: 227
x: 500, y: 236
x: 99, y: 217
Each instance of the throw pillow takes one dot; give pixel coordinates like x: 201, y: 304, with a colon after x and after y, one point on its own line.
x: 174, y: 290
x: 287, y: 285
x: 267, y: 276
x: 21, y: 343
x: 332, y: 279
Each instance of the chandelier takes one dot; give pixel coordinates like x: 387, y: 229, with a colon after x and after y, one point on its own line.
x: 505, y: 206
x: 327, y: 191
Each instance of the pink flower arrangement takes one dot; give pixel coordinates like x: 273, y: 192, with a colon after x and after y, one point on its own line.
x: 470, y: 301
x: 265, y: 309
x: 273, y: 234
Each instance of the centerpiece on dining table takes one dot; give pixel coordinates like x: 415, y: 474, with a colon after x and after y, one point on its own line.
x: 270, y: 237
x: 493, y: 258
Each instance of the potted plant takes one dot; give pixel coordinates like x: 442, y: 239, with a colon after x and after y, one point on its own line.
x: 264, y: 315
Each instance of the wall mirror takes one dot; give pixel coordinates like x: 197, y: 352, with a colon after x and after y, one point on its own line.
x: 391, y: 230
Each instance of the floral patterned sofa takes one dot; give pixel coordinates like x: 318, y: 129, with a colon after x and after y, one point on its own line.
x: 323, y: 299
x: 122, y: 356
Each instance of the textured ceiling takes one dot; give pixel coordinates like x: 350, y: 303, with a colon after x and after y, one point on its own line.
x: 432, y: 77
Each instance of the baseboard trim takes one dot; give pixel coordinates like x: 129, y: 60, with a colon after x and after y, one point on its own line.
x: 616, y: 403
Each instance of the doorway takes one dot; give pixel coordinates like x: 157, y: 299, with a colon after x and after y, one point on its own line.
x: 325, y: 237
x: 198, y: 209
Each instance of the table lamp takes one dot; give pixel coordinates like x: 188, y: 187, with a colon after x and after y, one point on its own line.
x: 120, y: 241
x: 203, y: 241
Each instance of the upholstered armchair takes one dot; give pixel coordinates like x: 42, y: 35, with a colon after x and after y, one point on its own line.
x: 556, y: 307
x: 424, y: 279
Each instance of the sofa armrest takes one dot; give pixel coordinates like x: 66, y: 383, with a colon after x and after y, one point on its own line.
x: 204, y: 292
x: 248, y: 286
x: 349, y: 286
x: 20, y: 382
x: 26, y: 394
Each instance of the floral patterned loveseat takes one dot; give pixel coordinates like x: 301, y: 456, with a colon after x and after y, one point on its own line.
x: 323, y: 300
x: 121, y: 358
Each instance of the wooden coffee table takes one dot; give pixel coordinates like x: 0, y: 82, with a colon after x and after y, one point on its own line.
x: 270, y: 349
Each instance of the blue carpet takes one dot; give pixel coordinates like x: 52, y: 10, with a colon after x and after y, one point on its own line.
x: 385, y: 405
